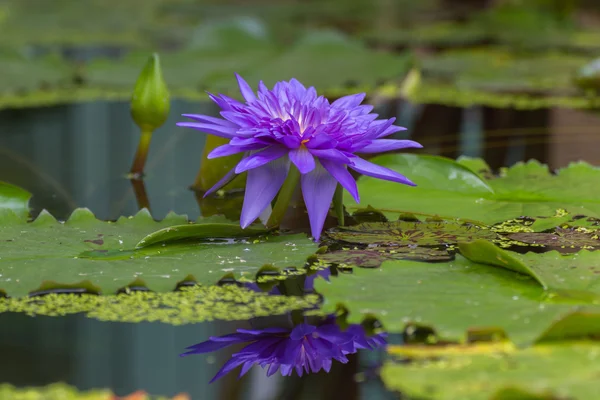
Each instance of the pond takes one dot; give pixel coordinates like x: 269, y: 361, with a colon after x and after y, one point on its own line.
x: 390, y: 200
x: 76, y: 156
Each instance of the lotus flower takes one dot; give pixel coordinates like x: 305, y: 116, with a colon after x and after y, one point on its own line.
x: 306, y: 348
x: 291, y: 125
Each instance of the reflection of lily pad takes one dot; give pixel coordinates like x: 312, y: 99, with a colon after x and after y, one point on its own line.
x: 373, y: 257
x: 556, y: 371
x: 84, y: 248
x: 451, y: 297
x: 186, y: 306
x: 403, y: 233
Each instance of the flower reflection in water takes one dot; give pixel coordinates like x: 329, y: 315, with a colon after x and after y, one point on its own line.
x: 305, y: 348
x: 308, y: 346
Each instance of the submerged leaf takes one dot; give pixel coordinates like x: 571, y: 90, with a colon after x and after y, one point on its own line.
x: 374, y: 257
x: 440, y: 233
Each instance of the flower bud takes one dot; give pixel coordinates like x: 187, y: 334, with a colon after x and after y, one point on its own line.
x: 150, y: 101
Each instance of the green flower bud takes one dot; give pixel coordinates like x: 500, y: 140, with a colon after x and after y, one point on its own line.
x: 150, y: 101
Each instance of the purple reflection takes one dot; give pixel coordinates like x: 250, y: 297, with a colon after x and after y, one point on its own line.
x: 305, y: 348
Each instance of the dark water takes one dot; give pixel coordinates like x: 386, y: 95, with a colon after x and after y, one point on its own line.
x: 77, y: 156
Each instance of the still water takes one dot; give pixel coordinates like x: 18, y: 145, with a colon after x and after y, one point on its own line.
x: 77, y: 156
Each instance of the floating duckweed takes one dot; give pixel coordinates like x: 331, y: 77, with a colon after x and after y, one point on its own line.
x: 188, y: 305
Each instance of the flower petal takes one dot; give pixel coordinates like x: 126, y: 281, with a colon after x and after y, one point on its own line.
x: 224, y: 181
x: 345, y: 178
x: 383, y: 145
x: 227, y: 150
x: 321, y: 141
x: 206, y: 347
x: 246, y: 90
x: 349, y: 101
x: 377, y: 171
x: 262, y: 185
x: 227, y: 132
x: 302, y: 158
x: 230, y: 365
x: 209, y: 120
x: 331, y: 154
x: 390, y: 130
x: 260, y: 158
x: 317, y: 189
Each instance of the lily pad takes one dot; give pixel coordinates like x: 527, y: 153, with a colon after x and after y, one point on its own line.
x: 573, y: 275
x: 451, y: 297
x: 200, y: 231
x: 84, y: 248
x: 341, y: 62
x: 552, y: 371
x: 14, y: 198
x: 526, y: 189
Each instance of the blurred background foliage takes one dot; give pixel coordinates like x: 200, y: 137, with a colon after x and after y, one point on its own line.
x: 527, y: 54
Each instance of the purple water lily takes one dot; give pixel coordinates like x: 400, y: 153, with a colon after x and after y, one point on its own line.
x: 306, y: 348
x: 290, y: 124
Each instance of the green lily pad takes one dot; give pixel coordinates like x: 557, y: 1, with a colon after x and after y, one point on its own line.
x: 573, y: 275
x: 526, y: 189
x: 553, y: 371
x: 451, y: 297
x: 14, y: 198
x: 200, y: 231
x: 84, y: 248
x: 341, y: 62
x: 187, y: 305
x: 500, y: 69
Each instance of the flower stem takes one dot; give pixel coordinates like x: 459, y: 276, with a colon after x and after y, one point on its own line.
x: 137, y: 169
x: 338, y: 204
x: 284, y: 197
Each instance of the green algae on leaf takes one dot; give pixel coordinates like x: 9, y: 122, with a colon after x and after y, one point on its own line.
x: 186, y: 306
x: 526, y: 189
x: 550, y: 371
x: 15, y: 199
x: 84, y: 248
x: 452, y: 297
x: 565, y: 276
